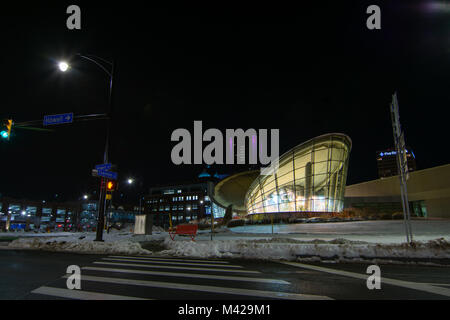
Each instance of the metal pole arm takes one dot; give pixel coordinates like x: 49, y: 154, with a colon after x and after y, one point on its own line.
x: 98, y: 64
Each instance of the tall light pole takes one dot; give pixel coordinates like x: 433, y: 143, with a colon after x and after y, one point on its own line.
x: 131, y: 181
x: 100, y: 62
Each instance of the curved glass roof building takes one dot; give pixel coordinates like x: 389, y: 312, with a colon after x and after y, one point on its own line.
x: 310, y: 178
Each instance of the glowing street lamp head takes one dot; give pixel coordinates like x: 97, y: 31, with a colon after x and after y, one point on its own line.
x: 63, y: 66
x: 130, y: 181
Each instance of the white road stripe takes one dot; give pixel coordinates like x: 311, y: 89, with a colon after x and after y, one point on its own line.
x: 169, y: 259
x: 194, y: 287
x: 437, y: 284
x: 80, y: 294
x: 189, y: 275
x: 400, y: 283
x: 173, y: 267
x: 175, y: 263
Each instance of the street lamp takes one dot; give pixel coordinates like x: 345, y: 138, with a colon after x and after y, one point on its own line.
x: 63, y: 66
x: 85, y: 197
x: 131, y: 181
x: 100, y: 62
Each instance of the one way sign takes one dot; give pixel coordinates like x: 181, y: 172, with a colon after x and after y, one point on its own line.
x: 58, y: 119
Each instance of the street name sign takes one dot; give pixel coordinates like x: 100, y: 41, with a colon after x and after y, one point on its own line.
x: 107, y: 174
x: 58, y: 119
x: 104, y: 167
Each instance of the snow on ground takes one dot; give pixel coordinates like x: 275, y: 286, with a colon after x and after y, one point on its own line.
x: 343, y: 241
x: 115, y: 242
x: 291, y: 249
x: 14, y: 234
x: 379, y: 231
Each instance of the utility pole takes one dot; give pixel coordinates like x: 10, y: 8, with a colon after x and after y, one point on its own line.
x: 100, y: 62
x: 402, y: 165
x: 102, y: 195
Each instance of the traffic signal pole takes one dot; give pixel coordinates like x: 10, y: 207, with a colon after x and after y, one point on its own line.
x: 102, y: 195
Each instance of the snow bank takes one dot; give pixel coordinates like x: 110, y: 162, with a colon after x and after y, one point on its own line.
x: 353, y: 242
x: 114, y: 243
x: 290, y: 249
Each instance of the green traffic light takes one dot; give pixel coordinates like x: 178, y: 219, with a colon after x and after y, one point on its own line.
x: 4, y: 134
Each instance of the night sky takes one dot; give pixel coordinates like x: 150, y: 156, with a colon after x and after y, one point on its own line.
x: 304, y: 70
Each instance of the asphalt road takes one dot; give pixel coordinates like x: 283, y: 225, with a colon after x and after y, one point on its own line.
x: 42, y: 275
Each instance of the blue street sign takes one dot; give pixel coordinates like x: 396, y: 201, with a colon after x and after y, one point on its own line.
x: 58, y: 119
x: 107, y: 174
x: 103, y: 167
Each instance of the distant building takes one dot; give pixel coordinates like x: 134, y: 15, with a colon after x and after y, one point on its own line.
x: 23, y: 214
x: 387, y: 162
x: 428, y: 194
x: 181, y: 203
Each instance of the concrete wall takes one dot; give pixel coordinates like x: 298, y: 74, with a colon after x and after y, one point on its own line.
x: 431, y: 185
x: 438, y: 208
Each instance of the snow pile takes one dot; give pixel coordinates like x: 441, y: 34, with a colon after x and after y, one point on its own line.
x: 115, y: 243
x: 157, y: 229
x: 290, y: 249
x: 352, y: 242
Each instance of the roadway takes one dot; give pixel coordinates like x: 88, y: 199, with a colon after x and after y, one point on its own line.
x: 42, y: 275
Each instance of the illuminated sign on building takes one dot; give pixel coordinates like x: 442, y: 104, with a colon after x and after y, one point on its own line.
x: 391, y: 153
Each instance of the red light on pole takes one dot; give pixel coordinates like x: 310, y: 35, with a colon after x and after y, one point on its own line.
x: 111, y: 185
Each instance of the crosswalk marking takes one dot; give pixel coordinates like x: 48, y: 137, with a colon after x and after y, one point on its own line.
x: 194, y: 287
x: 436, y: 284
x: 173, y: 267
x: 80, y: 294
x: 188, y: 275
x: 169, y: 259
x: 400, y: 283
x: 174, y: 263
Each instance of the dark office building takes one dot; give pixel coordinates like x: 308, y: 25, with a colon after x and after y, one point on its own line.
x: 181, y: 202
x: 387, y: 162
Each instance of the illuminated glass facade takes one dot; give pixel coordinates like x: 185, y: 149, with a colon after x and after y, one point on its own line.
x: 310, y: 178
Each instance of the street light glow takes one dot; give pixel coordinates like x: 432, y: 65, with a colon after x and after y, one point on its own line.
x: 130, y: 181
x: 63, y: 66
x: 85, y: 196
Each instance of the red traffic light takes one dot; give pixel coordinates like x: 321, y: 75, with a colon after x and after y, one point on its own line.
x: 111, y: 185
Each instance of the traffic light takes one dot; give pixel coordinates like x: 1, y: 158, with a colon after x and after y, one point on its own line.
x: 5, y: 132
x: 111, y: 185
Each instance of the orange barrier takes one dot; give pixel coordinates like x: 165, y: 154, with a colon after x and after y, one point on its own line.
x: 184, y: 229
